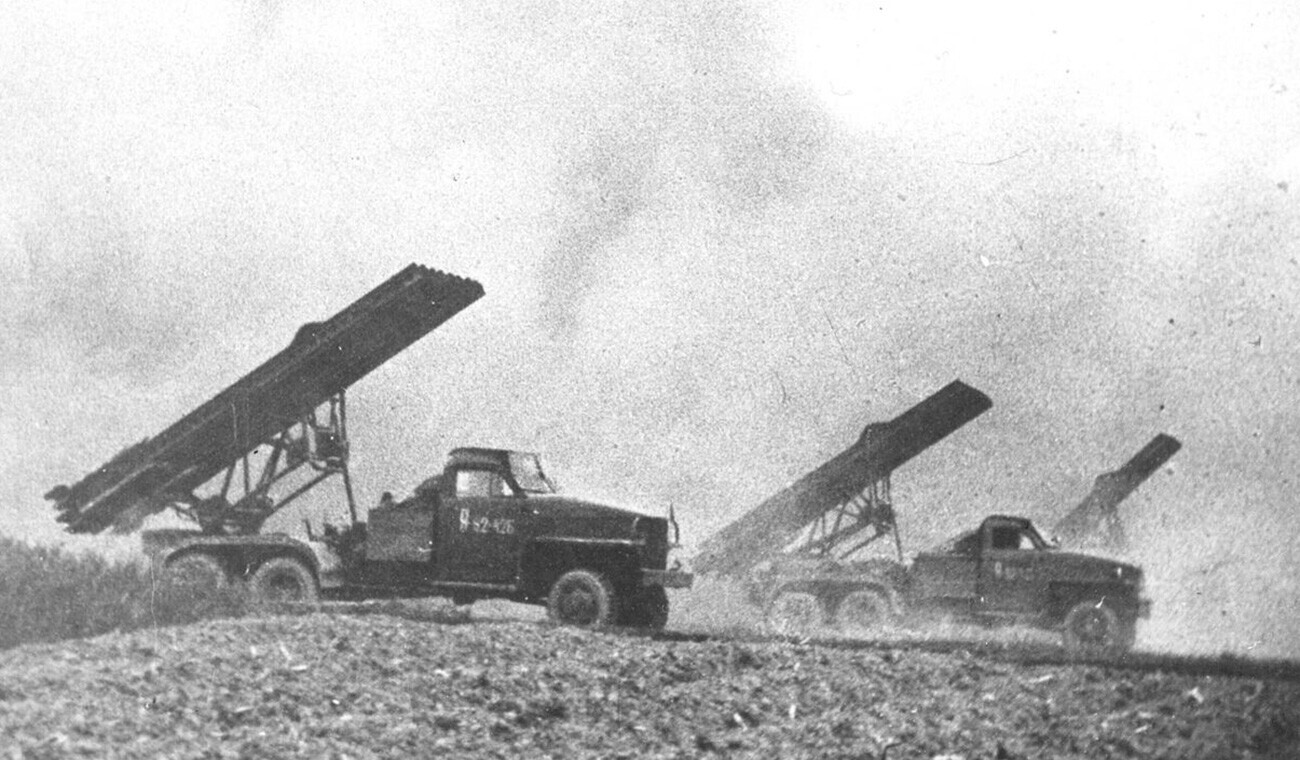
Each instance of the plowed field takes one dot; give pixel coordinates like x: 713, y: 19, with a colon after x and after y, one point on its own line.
x: 360, y: 686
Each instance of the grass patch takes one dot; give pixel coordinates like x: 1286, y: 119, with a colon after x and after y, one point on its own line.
x: 50, y: 594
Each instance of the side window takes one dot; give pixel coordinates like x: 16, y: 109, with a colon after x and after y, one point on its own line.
x: 1006, y: 538
x: 481, y: 483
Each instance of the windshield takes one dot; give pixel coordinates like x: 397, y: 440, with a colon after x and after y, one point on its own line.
x: 1002, y: 537
x: 1021, y: 537
x: 1040, y: 542
x: 527, y: 469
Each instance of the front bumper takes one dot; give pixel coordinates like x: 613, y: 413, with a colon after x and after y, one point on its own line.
x: 667, y: 578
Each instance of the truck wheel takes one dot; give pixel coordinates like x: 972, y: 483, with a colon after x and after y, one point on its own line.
x: 863, y: 612
x: 582, y: 598
x: 283, y: 579
x: 794, y: 613
x: 197, y: 570
x: 1092, y: 627
x: 646, y: 608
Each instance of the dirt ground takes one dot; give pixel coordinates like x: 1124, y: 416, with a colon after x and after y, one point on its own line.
x: 359, y: 686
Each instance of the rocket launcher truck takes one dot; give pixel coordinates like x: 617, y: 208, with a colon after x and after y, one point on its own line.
x: 799, y: 552
x: 490, y: 525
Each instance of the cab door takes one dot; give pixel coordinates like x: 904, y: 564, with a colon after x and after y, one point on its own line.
x: 483, y: 523
x: 1008, y: 576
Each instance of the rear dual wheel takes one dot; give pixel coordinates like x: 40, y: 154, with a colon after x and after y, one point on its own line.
x: 795, y: 613
x: 283, y: 579
x: 863, y: 613
x: 198, y: 570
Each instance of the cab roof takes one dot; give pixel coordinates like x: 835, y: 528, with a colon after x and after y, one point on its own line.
x: 478, y: 456
x: 1022, y: 522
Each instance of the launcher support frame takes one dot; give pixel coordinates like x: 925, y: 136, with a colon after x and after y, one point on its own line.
x: 318, y: 440
x: 872, y: 507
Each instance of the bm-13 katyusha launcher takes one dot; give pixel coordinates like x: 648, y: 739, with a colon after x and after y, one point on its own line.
x: 293, y: 404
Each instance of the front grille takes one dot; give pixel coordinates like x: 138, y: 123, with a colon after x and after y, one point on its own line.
x: 654, y: 532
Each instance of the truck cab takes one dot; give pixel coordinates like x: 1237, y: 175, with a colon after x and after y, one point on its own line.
x: 1006, y: 571
x: 463, y: 526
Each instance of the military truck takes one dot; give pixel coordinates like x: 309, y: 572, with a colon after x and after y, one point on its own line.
x: 491, y: 525
x: 1002, y: 573
x: 797, y: 553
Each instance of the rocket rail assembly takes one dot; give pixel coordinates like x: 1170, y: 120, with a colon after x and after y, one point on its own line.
x: 843, y: 496
x: 1095, y: 521
x: 322, y: 361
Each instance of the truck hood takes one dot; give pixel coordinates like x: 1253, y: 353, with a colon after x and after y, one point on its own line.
x: 574, y: 517
x: 1086, y: 567
x: 567, y: 519
x: 585, y: 501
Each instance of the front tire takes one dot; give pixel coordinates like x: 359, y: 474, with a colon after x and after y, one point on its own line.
x: 1092, y: 627
x: 283, y: 579
x: 582, y: 598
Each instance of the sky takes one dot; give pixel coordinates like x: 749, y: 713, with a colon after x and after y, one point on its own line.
x: 716, y: 240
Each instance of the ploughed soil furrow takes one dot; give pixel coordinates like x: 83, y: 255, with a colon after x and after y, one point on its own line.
x: 331, y: 685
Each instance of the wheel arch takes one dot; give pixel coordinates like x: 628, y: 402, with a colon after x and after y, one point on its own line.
x: 1062, y: 597
x: 543, y: 562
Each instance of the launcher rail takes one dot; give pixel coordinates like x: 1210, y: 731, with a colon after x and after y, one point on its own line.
x: 272, y: 413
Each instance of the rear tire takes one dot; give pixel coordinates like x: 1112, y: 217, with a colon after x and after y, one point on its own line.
x: 795, y: 613
x: 1092, y: 627
x: 198, y: 571
x: 582, y: 598
x: 863, y: 612
x: 283, y: 579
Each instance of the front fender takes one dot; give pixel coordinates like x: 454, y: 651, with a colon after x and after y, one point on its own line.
x: 1122, y: 598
